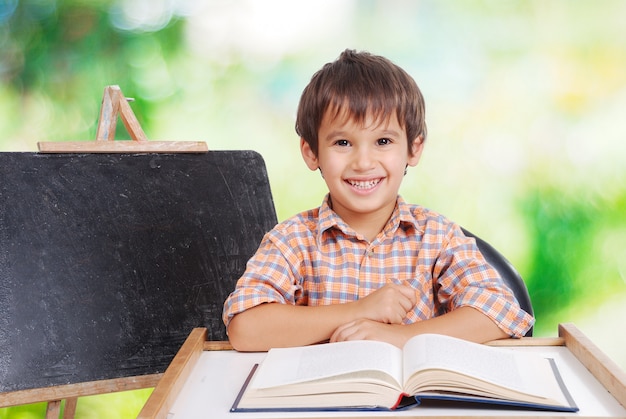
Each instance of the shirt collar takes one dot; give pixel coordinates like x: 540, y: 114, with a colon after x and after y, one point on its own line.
x: 402, y: 214
x: 328, y: 218
x: 405, y: 213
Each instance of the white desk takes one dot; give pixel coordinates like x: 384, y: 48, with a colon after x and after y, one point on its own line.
x: 213, y: 379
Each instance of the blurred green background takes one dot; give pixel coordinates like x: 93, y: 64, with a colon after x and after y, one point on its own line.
x: 525, y: 109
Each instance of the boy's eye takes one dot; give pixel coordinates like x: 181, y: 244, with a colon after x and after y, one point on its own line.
x: 343, y: 143
x: 384, y: 141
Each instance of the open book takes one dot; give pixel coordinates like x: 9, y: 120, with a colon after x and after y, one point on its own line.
x: 370, y: 375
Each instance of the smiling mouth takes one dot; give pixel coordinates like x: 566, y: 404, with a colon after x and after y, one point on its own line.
x: 364, y: 184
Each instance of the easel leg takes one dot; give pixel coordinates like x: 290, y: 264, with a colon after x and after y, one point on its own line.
x: 70, y: 408
x: 53, y: 410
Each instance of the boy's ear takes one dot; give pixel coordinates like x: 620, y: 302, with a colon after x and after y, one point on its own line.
x: 308, y: 155
x: 416, y: 147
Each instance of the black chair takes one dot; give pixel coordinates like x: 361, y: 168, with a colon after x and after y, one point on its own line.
x: 507, y: 271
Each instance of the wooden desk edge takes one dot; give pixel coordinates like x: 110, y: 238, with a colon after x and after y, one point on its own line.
x: 600, y: 366
x: 606, y: 371
x: 170, y: 385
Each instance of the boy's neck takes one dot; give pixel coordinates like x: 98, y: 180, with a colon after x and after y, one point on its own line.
x: 368, y: 229
x: 370, y: 224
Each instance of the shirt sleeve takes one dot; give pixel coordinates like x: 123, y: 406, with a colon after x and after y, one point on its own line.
x: 268, y: 278
x: 464, y: 278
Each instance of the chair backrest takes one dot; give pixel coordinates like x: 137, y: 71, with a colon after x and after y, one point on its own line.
x: 507, y: 271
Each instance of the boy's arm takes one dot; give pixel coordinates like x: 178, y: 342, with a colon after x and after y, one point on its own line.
x: 273, y: 325
x: 464, y: 322
x: 279, y: 325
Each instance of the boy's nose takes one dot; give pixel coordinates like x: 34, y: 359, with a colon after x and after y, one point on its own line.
x: 363, y: 159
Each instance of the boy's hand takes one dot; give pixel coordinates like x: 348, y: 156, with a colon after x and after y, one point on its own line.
x: 371, y: 330
x: 389, y: 304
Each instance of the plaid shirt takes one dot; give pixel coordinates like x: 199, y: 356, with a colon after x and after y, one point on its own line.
x: 315, y: 258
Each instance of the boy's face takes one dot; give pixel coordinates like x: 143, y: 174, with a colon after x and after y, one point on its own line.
x: 363, y: 164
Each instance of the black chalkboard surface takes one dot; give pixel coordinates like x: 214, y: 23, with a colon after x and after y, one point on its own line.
x: 108, y: 261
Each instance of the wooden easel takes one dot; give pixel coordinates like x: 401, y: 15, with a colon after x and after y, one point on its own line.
x: 113, y: 103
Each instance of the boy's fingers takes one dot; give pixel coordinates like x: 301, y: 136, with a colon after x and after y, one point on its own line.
x: 405, y: 289
x: 340, y: 333
x: 408, y: 305
x: 410, y: 293
x: 408, y: 297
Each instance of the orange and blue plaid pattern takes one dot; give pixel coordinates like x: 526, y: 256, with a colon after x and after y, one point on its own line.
x: 315, y: 258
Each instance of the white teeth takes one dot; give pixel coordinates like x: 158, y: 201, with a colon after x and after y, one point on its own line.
x: 367, y: 184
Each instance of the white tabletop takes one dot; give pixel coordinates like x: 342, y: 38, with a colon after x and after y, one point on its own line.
x: 210, y: 391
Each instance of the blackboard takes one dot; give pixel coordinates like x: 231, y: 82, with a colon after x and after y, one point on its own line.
x: 108, y: 261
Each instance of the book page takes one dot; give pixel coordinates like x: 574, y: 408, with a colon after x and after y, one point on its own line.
x: 522, y: 372
x: 284, y: 366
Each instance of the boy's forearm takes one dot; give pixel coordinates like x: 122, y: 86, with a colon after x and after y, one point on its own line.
x: 464, y: 322
x: 281, y: 325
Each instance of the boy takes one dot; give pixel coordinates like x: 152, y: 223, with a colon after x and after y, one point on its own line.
x: 366, y: 264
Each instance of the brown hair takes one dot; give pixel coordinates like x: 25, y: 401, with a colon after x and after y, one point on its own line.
x: 358, y: 83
